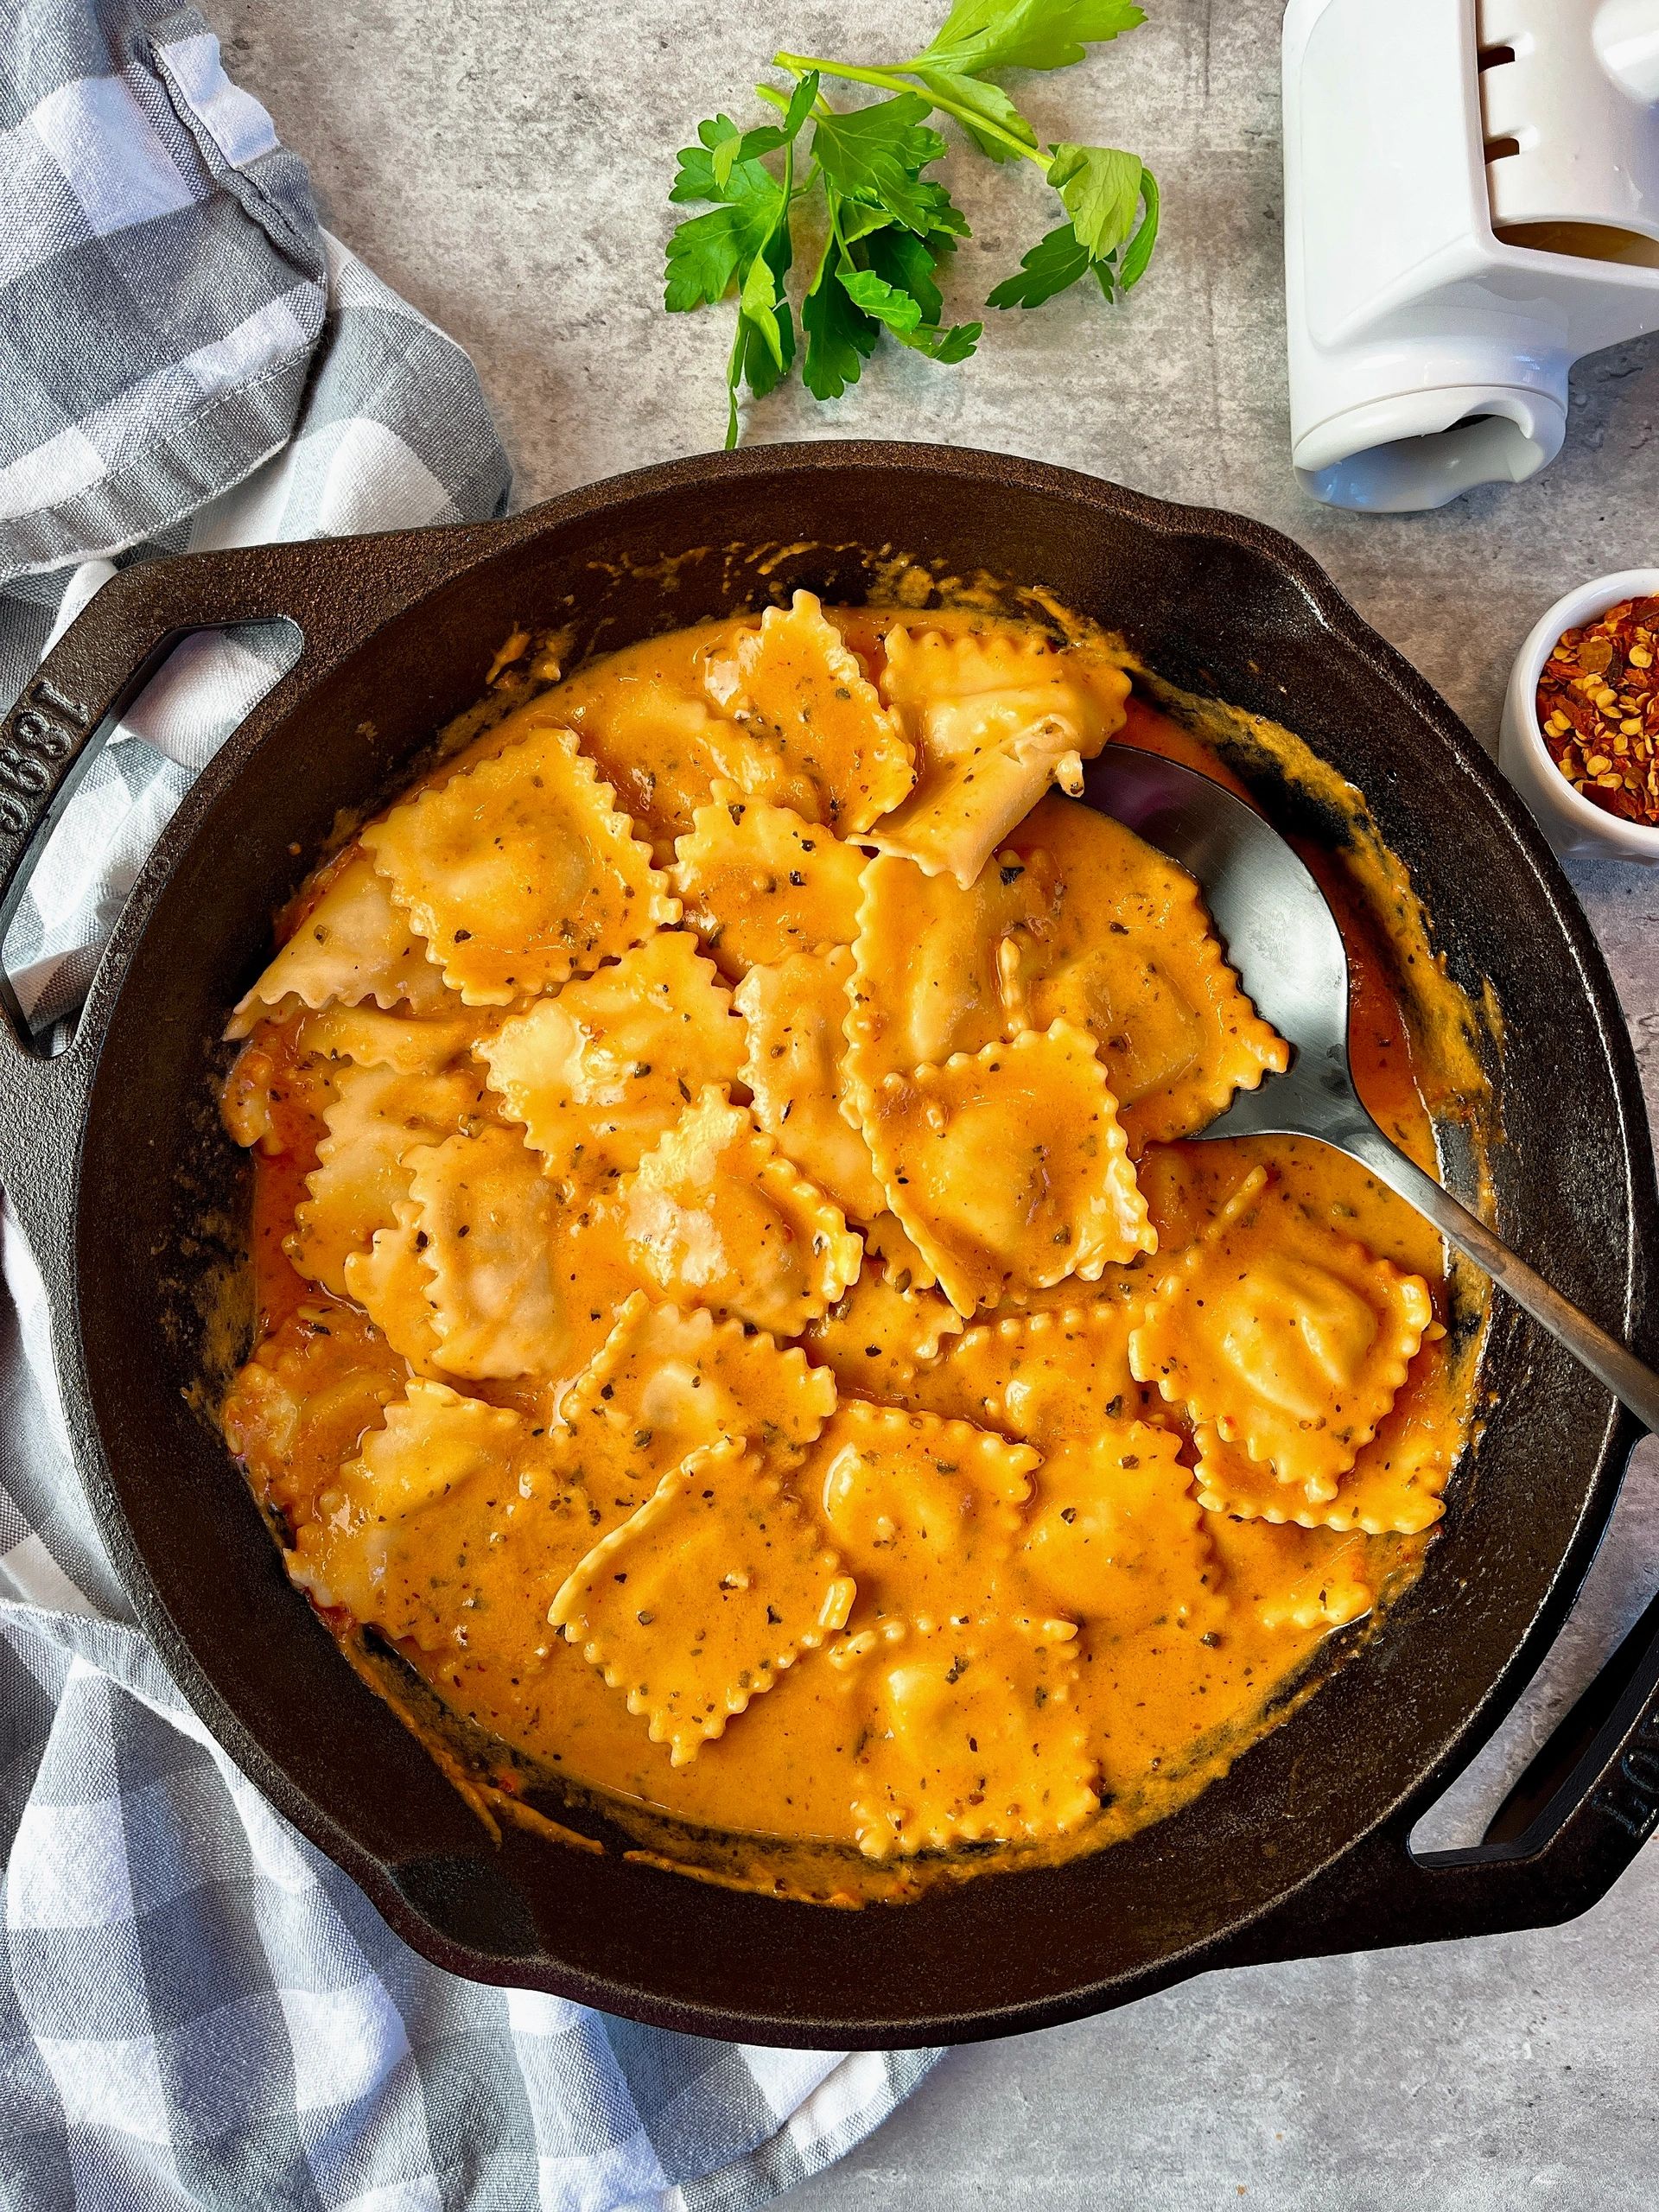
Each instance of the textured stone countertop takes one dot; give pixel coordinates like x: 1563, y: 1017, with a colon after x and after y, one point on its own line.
x: 503, y: 163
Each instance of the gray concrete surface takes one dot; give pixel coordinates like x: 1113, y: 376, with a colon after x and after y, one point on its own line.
x: 503, y: 163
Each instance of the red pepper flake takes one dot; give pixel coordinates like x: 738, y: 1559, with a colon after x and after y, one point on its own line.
x: 1598, y: 709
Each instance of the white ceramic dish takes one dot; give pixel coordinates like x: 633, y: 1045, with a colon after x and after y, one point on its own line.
x: 1570, y: 822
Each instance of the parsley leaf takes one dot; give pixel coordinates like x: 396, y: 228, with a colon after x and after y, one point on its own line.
x: 840, y: 337
x: 876, y: 275
x: 708, y: 254
x: 1054, y: 265
x: 900, y: 310
x: 800, y: 103
x: 1138, y: 252
x: 764, y: 347
x: 876, y: 155
x: 696, y: 177
x: 757, y: 304
x: 1100, y: 189
x: 909, y: 264
x: 946, y: 346
x: 980, y: 35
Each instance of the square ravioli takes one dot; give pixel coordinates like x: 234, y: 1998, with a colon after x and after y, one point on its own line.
x: 446, y: 1528
x: 1051, y: 1377
x: 666, y: 1384
x: 392, y: 1283
x: 761, y: 881
x: 697, y: 1602
x: 929, y: 961
x: 303, y: 1403
x: 1287, y: 1339
x: 795, y: 689
x: 795, y: 1015
x: 1130, y: 957
x: 409, y: 1043
x: 966, y: 1736
x: 715, y: 1217
x: 351, y: 945
x: 642, y: 720
x: 994, y: 717
x: 376, y: 1119
x: 1116, y: 1536
x: 596, y: 1074
x: 1007, y: 1166
x: 518, y: 1284
x: 880, y: 1332
x: 520, y: 872
x: 1395, y: 1486
x: 925, y: 1512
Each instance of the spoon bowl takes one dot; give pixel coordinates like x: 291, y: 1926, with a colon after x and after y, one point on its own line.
x: 1283, y: 942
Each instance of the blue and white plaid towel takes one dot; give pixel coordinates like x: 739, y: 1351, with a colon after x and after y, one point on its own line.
x: 196, y: 2008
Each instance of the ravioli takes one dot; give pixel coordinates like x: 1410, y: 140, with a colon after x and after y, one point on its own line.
x: 796, y: 691
x: 879, y: 1333
x: 377, y: 1119
x: 714, y: 1216
x: 666, y: 1383
x: 1287, y: 1339
x: 1290, y: 1577
x: 966, y: 1737
x: 520, y: 871
x: 1394, y: 1487
x: 441, y: 1529
x: 352, y: 944
x: 994, y: 719
x: 796, y: 1069
x: 598, y: 1073
x: 390, y: 1282
x: 759, y: 882
x: 1130, y: 958
x: 488, y: 1219
x: 655, y: 742
x: 409, y: 1043
x: 1050, y: 1377
x: 302, y: 1404
x: 1116, y: 1536
x: 929, y: 961
x: 695, y: 1605
x: 1007, y: 1166
x: 925, y: 1512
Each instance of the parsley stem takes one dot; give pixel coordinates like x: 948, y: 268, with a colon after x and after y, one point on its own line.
x: 733, y: 370
x: 894, y: 80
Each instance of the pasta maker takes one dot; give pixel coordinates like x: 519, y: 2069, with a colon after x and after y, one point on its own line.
x: 1472, y: 204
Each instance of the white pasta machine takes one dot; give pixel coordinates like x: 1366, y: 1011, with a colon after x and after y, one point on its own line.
x: 1472, y: 203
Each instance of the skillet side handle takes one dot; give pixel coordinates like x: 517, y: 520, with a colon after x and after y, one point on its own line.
x: 1570, y: 1828
x: 335, y: 592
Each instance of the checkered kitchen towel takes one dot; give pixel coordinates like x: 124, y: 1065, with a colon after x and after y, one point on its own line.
x: 197, y: 2009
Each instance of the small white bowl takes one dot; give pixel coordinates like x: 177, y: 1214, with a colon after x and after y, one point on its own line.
x: 1571, y: 822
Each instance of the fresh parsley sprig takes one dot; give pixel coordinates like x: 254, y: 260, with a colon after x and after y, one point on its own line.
x: 888, y: 229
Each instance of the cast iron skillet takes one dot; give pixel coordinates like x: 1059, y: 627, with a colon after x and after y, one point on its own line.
x: 112, y: 1158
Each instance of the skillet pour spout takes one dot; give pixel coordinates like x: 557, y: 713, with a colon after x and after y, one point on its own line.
x: 129, y: 1193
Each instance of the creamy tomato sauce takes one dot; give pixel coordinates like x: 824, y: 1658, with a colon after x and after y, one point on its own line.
x: 1069, y: 1532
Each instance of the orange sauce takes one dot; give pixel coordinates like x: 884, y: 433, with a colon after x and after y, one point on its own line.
x: 1164, y: 1706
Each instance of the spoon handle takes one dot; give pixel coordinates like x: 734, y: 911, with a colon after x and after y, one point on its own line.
x: 1632, y: 1383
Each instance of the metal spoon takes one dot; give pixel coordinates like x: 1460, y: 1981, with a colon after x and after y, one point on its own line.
x: 1283, y: 941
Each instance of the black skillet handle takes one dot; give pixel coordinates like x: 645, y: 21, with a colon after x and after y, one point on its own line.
x: 1568, y: 1829
x: 335, y: 592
